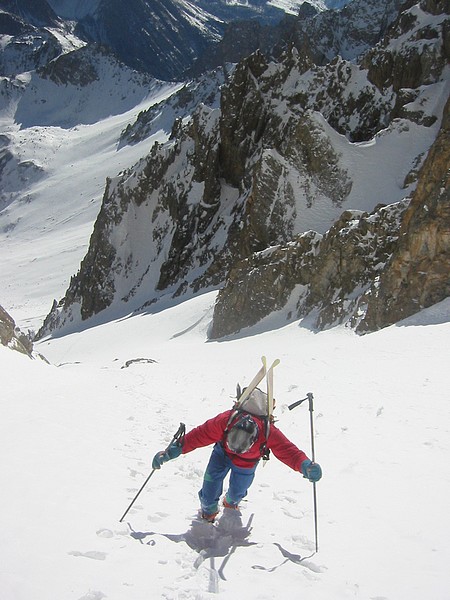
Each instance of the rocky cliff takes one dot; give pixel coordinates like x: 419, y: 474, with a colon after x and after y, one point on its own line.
x: 418, y: 274
x: 11, y: 336
x: 369, y: 270
x: 322, y: 276
x: 291, y: 142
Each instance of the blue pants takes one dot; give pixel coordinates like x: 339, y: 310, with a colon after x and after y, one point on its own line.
x: 218, y: 467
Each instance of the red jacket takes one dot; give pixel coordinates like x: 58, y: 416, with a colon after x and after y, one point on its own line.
x: 213, y: 431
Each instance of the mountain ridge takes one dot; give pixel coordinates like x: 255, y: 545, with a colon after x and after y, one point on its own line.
x: 162, y: 37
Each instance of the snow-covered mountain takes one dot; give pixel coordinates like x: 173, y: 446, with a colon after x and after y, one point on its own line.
x: 63, y: 132
x: 292, y: 146
x: 77, y: 436
x: 286, y: 149
x: 161, y: 37
x: 321, y: 35
x: 31, y: 37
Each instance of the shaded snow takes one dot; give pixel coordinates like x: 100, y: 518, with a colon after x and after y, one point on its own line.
x: 74, y: 9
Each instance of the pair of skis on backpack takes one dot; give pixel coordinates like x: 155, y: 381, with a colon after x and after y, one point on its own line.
x: 264, y: 372
x: 252, y: 406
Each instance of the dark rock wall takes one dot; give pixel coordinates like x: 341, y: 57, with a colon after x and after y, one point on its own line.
x: 419, y: 272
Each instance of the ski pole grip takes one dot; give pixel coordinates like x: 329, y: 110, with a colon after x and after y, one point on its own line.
x: 179, y: 436
x: 295, y: 404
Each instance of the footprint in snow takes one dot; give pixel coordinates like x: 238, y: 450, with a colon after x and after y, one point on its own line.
x: 291, y: 514
x: 105, y: 533
x: 108, y: 533
x: 94, y: 554
x: 93, y: 595
x: 157, y: 516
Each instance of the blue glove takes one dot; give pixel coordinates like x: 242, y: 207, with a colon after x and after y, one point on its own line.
x: 173, y: 451
x: 311, y: 471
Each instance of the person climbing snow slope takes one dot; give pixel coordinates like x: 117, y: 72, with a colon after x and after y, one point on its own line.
x: 242, y: 436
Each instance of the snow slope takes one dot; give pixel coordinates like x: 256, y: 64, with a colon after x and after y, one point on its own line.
x: 77, y: 438
x: 47, y: 218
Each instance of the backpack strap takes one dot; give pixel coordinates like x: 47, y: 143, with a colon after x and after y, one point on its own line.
x: 263, y: 449
x: 234, y: 413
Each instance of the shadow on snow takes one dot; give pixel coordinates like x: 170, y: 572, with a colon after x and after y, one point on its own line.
x: 220, y: 540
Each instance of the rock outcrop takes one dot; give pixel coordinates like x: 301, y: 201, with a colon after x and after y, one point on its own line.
x: 418, y: 274
x: 322, y: 276
x: 11, y: 336
x: 372, y: 270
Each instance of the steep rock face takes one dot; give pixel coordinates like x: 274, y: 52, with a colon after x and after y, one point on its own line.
x: 11, y: 336
x: 348, y: 33
x: 263, y: 283
x: 413, y: 53
x: 319, y: 275
x: 419, y: 272
x: 365, y: 270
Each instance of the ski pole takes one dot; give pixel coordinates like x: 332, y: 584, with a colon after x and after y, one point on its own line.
x: 178, y: 436
x: 313, y: 458
x: 310, y: 397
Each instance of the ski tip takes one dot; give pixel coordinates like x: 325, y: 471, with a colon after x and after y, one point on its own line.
x: 274, y: 364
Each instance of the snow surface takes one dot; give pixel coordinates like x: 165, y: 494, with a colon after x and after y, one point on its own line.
x: 77, y: 438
